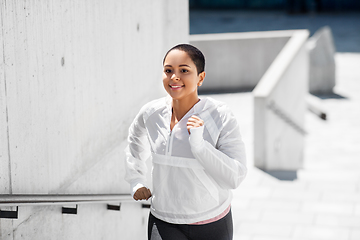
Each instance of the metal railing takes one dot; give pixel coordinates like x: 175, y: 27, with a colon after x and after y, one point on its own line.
x: 65, y: 200
x: 60, y: 199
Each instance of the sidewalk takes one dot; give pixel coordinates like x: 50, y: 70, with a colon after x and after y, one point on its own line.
x: 324, y: 202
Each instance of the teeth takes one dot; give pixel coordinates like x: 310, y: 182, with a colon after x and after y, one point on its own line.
x: 175, y: 86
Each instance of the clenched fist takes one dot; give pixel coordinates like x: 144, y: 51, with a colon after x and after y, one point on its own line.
x: 142, y: 194
x: 194, y: 122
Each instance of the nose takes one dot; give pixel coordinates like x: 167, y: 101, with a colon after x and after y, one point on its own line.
x: 174, y: 77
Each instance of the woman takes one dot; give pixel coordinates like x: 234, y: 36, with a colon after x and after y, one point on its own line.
x: 197, y: 154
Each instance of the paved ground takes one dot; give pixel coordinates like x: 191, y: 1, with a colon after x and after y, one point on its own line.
x: 324, y: 201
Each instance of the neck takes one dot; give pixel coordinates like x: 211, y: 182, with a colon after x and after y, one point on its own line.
x: 181, y: 107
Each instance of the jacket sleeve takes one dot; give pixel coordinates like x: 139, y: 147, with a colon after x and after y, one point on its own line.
x: 137, y: 152
x: 225, y: 163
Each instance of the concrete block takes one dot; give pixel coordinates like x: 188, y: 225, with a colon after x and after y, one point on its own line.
x: 279, y: 109
x: 322, y: 50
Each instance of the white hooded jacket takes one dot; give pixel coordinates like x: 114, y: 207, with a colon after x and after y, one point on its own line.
x: 192, y: 174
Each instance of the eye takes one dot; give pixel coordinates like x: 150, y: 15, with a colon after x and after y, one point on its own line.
x: 167, y: 70
x: 184, y: 70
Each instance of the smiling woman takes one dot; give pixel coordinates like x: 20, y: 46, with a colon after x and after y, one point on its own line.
x: 197, y: 155
x: 181, y: 81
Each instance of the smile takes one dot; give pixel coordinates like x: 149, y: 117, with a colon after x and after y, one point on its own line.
x: 176, y: 87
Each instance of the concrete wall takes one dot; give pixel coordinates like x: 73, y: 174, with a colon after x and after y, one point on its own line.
x: 279, y: 108
x: 237, y: 61
x: 322, y: 61
x: 73, y: 74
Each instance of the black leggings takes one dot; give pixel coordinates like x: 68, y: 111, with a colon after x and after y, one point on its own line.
x: 219, y: 230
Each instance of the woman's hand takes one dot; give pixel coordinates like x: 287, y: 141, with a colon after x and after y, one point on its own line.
x: 194, y: 122
x: 142, y: 194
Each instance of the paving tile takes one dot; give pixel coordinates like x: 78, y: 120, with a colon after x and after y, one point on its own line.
x: 269, y: 238
x: 336, y: 174
x: 287, y: 218
x: 290, y: 194
x: 240, y: 215
x: 341, y: 188
x: 344, y: 197
x: 357, y: 209
x: 265, y: 229
x: 287, y: 185
x: 239, y: 236
x: 332, y: 208
x: 355, y: 234
x: 278, y: 205
x: 321, y: 233
x: 337, y: 220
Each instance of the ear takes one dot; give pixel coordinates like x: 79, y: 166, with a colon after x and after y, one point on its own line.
x: 201, y: 78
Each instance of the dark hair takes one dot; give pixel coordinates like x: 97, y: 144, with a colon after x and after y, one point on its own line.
x: 195, y: 54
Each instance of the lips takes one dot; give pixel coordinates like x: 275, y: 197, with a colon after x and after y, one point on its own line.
x: 175, y: 87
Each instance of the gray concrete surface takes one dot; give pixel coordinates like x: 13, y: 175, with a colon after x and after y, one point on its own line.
x: 69, y: 90
x: 321, y: 49
x: 324, y: 201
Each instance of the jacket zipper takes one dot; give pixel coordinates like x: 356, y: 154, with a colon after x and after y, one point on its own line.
x: 169, y: 144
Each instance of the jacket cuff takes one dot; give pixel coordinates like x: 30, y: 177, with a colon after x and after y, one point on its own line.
x: 196, y: 138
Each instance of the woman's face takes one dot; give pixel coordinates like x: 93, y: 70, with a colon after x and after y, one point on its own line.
x: 180, y: 76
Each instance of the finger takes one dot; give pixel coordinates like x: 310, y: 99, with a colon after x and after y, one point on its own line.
x: 188, y: 128
x: 135, y: 197
x: 138, y: 194
x: 195, y: 117
x: 148, y: 194
x: 190, y: 124
x: 196, y: 121
x: 193, y: 120
x: 143, y: 194
x: 194, y: 124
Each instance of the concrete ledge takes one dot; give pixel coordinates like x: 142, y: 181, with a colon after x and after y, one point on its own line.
x: 322, y: 62
x: 279, y: 108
